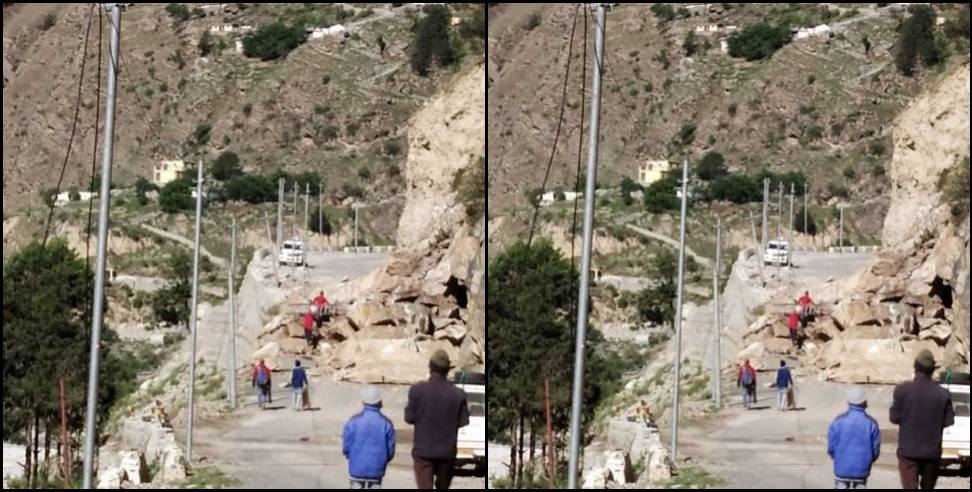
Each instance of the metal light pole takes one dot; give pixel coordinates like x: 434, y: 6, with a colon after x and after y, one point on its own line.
x: 585, y: 272
x: 99, y: 290
x: 717, y: 368
x: 320, y: 209
x: 765, y: 230
x: 790, y: 226
x: 840, y: 207
x: 779, y: 215
x: 806, y: 211
x: 231, y: 377
x: 678, y: 312
x: 273, y: 249
x: 296, y: 193
x: 193, y: 320
x: 306, y: 211
x: 355, y: 207
x: 759, y: 247
x: 280, y: 200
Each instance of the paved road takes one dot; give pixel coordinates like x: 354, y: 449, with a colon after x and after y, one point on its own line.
x: 767, y: 448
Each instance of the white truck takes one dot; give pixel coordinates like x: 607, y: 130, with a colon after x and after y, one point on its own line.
x: 471, y: 441
x: 292, y: 253
x: 955, y: 438
x: 777, y: 253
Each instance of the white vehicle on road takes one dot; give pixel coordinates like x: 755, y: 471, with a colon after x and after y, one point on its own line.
x: 777, y: 253
x: 955, y: 439
x: 471, y: 442
x: 292, y: 252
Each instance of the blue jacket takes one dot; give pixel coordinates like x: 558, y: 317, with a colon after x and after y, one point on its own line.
x: 854, y: 443
x: 299, y: 378
x: 783, y: 378
x: 369, y: 443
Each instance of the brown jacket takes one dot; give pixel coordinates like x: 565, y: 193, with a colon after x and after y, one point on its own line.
x: 437, y: 409
x: 922, y: 409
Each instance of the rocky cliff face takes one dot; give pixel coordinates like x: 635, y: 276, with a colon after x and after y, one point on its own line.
x: 928, y: 137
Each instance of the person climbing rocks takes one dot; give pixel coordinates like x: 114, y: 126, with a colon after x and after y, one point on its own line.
x: 806, y: 308
x: 793, y: 324
x: 309, y: 327
x: 320, y: 306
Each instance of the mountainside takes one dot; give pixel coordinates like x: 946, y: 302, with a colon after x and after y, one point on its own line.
x: 336, y: 105
x: 821, y: 105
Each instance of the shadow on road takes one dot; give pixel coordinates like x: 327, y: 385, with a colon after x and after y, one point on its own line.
x: 954, y: 472
x: 470, y: 472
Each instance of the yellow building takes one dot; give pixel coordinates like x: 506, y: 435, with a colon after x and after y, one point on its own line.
x: 652, y: 171
x: 167, y: 171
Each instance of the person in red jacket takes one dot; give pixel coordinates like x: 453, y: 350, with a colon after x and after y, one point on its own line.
x: 309, y: 326
x: 746, y: 381
x: 261, y: 381
x: 806, y: 308
x: 793, y: 323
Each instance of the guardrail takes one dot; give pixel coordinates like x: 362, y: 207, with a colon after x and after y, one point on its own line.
x: 838, y: 250
x: 352, y: 249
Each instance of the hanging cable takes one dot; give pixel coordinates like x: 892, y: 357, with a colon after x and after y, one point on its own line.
x: 94, y: 170
x: 560, y: 122
x: 74, y: 129
x: 580, y: 151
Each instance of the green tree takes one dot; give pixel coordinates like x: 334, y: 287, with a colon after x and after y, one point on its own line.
x: 712, y: 166
x: 314, y: 222
x: 758, y: 41
x: 691, y: 44
x: 178, y: 11
x: 474, y: 27
x: 206, y: 44
x: 171, y: 304
x: 251, y: 189
x: 657, y: 303
x: 273, y: 41
x: 201, y: 135
x: 431, y: 41
x: 176, y: 196
x: 737, y: 189
x: 660, y: 196
x: 227, y: 166
x: 142, y: 187
x: 916, y: 39
x: 686, y: 135
x: 663, y: 11
x: 811, y: 228
x: 628, y: 186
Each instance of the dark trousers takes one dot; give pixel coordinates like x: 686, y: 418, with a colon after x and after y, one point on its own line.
x: 428, y: 471
x: 914, y: 472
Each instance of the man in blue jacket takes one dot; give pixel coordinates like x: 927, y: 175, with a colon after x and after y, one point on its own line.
x: 854, y: 443
x: 784, y: 380
x: 369, y: 443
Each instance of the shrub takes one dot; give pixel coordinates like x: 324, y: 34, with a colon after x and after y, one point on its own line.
x: 48, y: 22
x: 469, y: 184
x: 205, y: 44
x: 251, y: 189
x: 392, y: 147
x: 532, y: 22
x: 691, y: 44
x: 273, y: 41
x: 687, y: 134
x: 758, y: 41
x: 660, y: 195
x: 178, y: 11
x: 227, y: 166
x: 179, y: 59
x: 474, y: 27
x: 954, y: 185
x: 201, y: 134
x: 732, y: 109
x: 916, y: 39
x: 247, y: 109
x: 663, y: 11
x: 737, y: 189
x: 959, y: 27
x: 711, y: 166
x: 74, y: 195
x: 176, y: 196
x: 850, y: 173
x: 877, y: 148
x: 364, y: 173
x: 431, y: 41
x: 314, y: 222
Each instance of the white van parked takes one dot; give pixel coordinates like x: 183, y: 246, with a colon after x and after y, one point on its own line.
x: 955, y: 439
x: 471, y: 441
x: 292, y: 253
x: 777, y: 253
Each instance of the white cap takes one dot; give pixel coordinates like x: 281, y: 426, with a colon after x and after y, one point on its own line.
x: 370, y: 396
x: 856, y: 396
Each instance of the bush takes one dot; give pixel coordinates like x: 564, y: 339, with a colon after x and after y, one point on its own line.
x: 916, y: 39
x: 178, y: 11
x: 532, y: 22
x: 206, y: 44
x: 877, y: 148
x: 227, y: 166
x: 732, y: 109
x: 469, y: 184
x: 954, y: 185
x: 364, y: 173
x: 247, y: 109
x: 758, y: 41
x: 663, y: 11
x: 74, y: 195
x: 392, y: 147
x: 657, y: 303
x: 811, y: 229
x: 474, y: 27
x: 179, y: 59
x: 431, y: 41
x: 959, y: 27
x: 251, y: 189
x: 48, y: 22
x: 273, y: 41
x: 314, y: 222
x: 687, y: 134
x: 660, y: 196
x: 712, y: 166
x: 850, y: 173
x: 176, y: 196
x: 201, y: 135
x: 737, y: 189
x: 691, y: 44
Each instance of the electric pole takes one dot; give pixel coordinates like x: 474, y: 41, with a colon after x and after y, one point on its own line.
x: 759, y: 247
x: 355, y: 207
x: 99, y: 289
x: 273, y: 249
x: 193, y: 320
x: 790, y: 227
x: 717, y: 368
x: 765, y: 230
x: 678, y: 312
x: 231, y: 377
x: 306, y: 212
x: 320, y: 208
x: 840, y: 207
x: 585, y: 272
x: 806, y: 211
x: 779, y: 215
x: 296, y: 194
x: 280, y: 202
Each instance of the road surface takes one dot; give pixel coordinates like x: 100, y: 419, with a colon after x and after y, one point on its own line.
x: 766, y: 448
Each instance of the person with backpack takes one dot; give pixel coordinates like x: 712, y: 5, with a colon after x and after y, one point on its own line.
x: 368, y: 442
x: 746, y: 380
x: 261, y: 381
x: 784, y: 383
x: 298, y: 379
x: 806, y: 308
x: 853, y: 442
x: 320, y: 303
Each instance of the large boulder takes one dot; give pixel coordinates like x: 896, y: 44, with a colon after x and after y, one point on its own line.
x: 375, y: 313
x: 172, y: 464
x: 618, y: 465
x: 134, y: 468
x: 396, y: 361
x: 858, y: 313
x: 268, y: 353
x: 883, y: 361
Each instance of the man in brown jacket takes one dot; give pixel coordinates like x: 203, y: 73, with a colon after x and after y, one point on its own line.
x: 922, y: 409
x: 437, y: 409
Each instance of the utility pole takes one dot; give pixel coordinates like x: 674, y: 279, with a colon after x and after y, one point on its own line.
x: 193, y: 320
x: 717, y: 368
x: 231, y: 377
x: 355, y: 207
x: 840, y: 206
x: 790, y: 227
x: 779, y: 215
x: 296, y: 193
x: 678, y: 312
x: 806, y: 211
x: 280, y: 200
x: 99, y: 290
x: 585, y: 272
x: 320, y: 208
x: 306, y: 212
x: 551, y: 461
x: 765, y: 230
x: 273, y: 249
x: 759, y: 248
